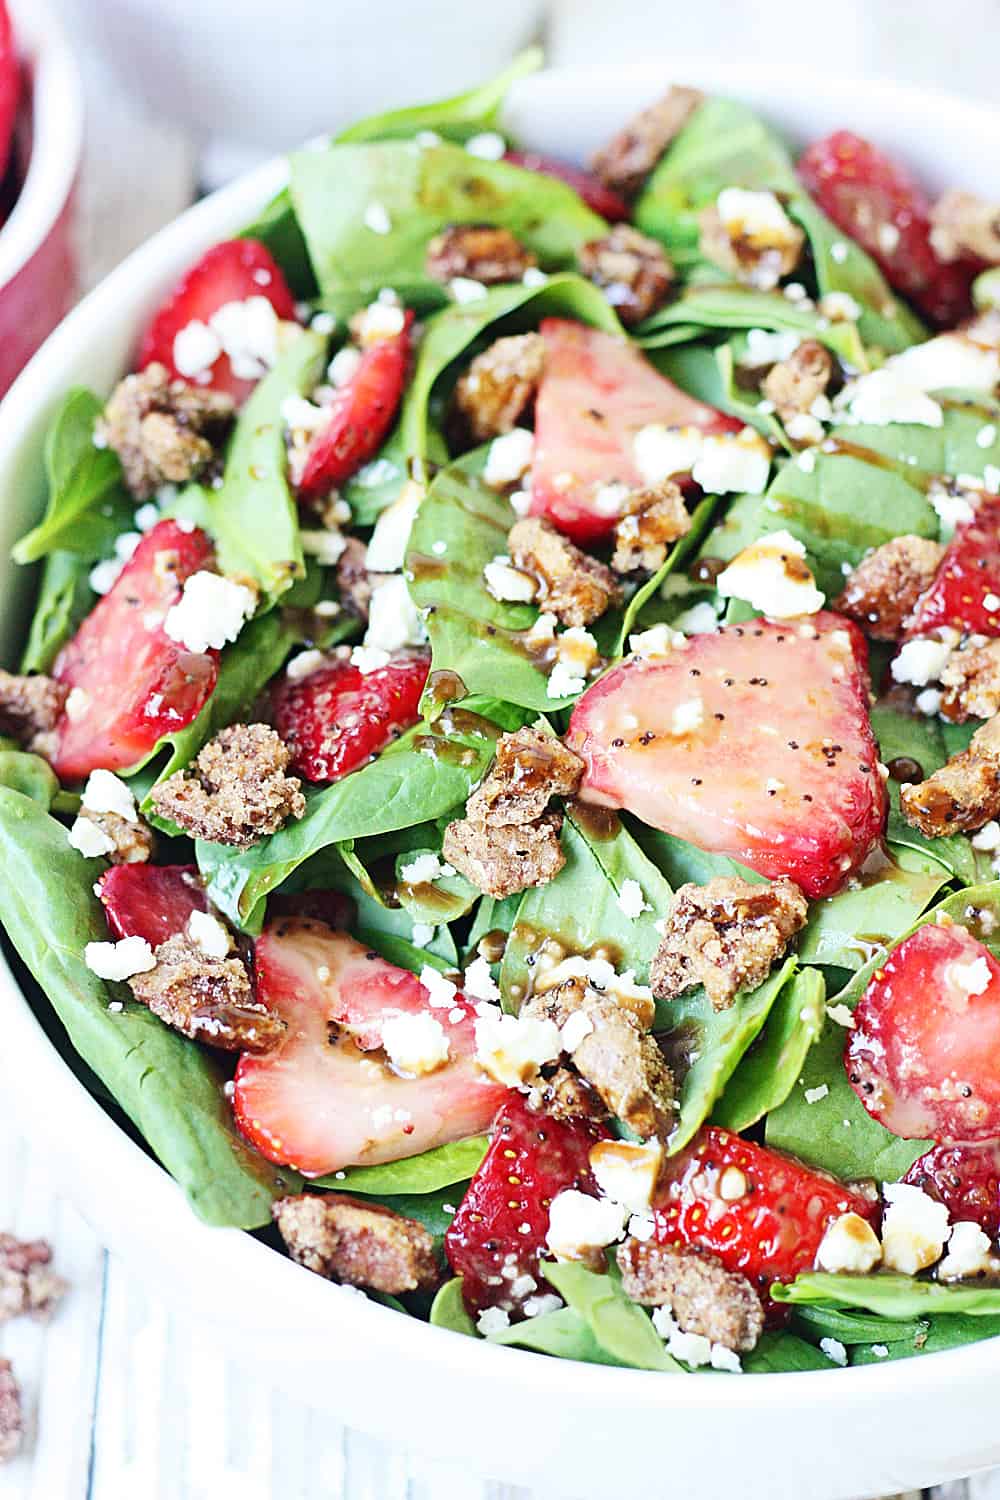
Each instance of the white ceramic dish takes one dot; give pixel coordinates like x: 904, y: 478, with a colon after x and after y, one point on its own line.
x: 569, y: 1428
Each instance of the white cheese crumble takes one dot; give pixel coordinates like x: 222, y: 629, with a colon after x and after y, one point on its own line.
x: 840, y: 307
x: 914, y: 1228
x: 834, y: 1351
x: 107, y: 793
x: 424, y: 869
x: 132, y: 955
x: 89, y: 840
x: 972, y: 978
x: 988, y: 837
x: 509, y: 457
x: 564, y: 682
x: 658, y: 642
x: 928, y: 701
x: 423, y: 934
x: 211, y: 611
x: 196, y: 348
x: 77, y: 703
x: 507, y: 583
x: 757, y: 217
x: 465, y: 289
x: 627, y: 1171
x: 687, y: 717
x: 661, y: 452
x: 382, y: 319
x: 849, y: 1244
x: 841, y: 1015
x: 343, y: 366
x: 376, y: 218
x: 393, y: 619
x: 766, y: 348
x: 968, y: 1252
x: 631, y: 900
x: 369, y: 659
x: 248, y: 333
x: 104, y: 575
x: 488, y: 145
x: 415, y: 1044
x: 305, y: 664
x: 813, y: 1096
x: 391, y: 536
x: 511, y: 1049
x: 922, y: 661
x: 209, y: 934
x: 950, y: 359
x: 479, y: 981
x: 579, y: 1224
x: 761, y: 575
x: 441, y: 992
x: 574, y: 1030
x: 492, y: 1320
x: 733, y: 462
x: 697, y: 619
x: 884, y: 397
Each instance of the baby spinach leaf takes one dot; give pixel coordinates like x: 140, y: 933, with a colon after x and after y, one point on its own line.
x: 621, y: 1328
x: 563, y: 1333
x: 442, y: 900
x: 922, y: 739
x: 422, y: 190
x: 87, y: 506
x: 580, y: 910
x: 935, y: 1334
x: 278, y: 228
x: 28, y: 774
x: 64, y: 598
x: 455, y: 118
x: 766, y: 1073
x: 492, y: 917
x: 845, y: 929
x: 702, y: 308
x: 168, y: 1086
x: 433, y: 1210
x: 704, y: 1046
x: 855, y: 1327
x: 889, y: 1294
x: 448, y: 1309
x: 709, y: 373
x: 779, y: 1352
x: 427, y: 1173
x: 684, y: 863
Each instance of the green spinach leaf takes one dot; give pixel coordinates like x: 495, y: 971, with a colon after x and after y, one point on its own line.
x: 889, y: 1294
x: 766, y: 1073
x: 456, y: 118
x: 87, y: 506
x: 448, y: 1309
x: 621, y: 1328
x: 442, y: 1167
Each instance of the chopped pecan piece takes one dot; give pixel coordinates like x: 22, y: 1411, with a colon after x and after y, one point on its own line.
x: 208, y: 999
x: 237, y: 791
x: 882, y: 591
x: 500, y: 384
x: 633, y: 271
x: 163, y: 430
x: 133, y: 840
x: 502, y: 859
x: 758, y: 264
x: 358, y: 1242
x: 576, y: 588
x: 30, y: 708
x: 653, y: 519
x: 962, y: 224
x: 794, y: 383
x: 964, y: 793
x: 354, y: 582
x: 567, y: 1096
x: 630, y: 155
x: 27, y: 1282
x: 529, y: 768
x: 481, y: 252
x: 701, y: 1294
x: 11, y: 1418
x: 971, y: 682
x: 726, y: 935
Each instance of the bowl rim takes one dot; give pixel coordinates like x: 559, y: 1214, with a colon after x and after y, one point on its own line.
x: 237, y: 1257
x: 57, y: 134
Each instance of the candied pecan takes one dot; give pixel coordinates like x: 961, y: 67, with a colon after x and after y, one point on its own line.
x: 576, y: 588
x: 652, y: 520
x: 357, y: 1241
x: 163, y: 430
x: 964, y: 793
x: 627, y: 159
x: 528, y: 769
x: 971, y: 682
x: 481, y: 252
x: 882, y: 591
x: 354, y: 582
x: 727, y: 935
x: 30, y: 709
x: 208, y: 999
x: 11, y: 1418
x: 27, y: 1282
x: 701, y: 1294
x: 567, y: 1096
x: 794, y: 383
x: 237, y: 791
x: 133, y: 839
x: 500, y: 384
x: 633, y: 271
x: 502, y: 859
x: 963, y: 224
x: 759, y: 265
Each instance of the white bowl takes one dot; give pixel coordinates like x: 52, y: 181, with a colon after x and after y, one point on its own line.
x: 572, y: 1428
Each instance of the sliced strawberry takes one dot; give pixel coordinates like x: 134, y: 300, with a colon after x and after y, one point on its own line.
x: 713, y: 743
x: 134, y: 684
x: 966, y: 1179
x: 603, y: 200
x: 761, y: 1213
x: 326, y: 1098
x: 339, y: 717
x: 498, y: 1233
x: 596, y: 393
x: 361, y: 414
x: 879, y: 204
x: 233, y: 271
x: 151, y: 901
x: 966, y: 591
x: 10, y: 86
x: 924, y: 1054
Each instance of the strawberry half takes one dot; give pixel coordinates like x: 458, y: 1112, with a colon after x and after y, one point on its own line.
x: 338, y: 717
x: 966, y: 1179
x: 879, y: 204
x: 596, y: 393
x: 361, y: 415
x: 603, y: 200
x: 150, y: 901
x: 766, y: 1219
x: 10, y: 86
x: 966, y: 590
x: 326, y: 1097
x: 498, y: 1233
x: 924, y: 1054
x: 233, y: 271
x: 132, y: 683
x: 710, y: 743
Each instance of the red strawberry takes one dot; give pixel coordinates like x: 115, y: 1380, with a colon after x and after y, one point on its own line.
x: 326, y: 1097
x: 338, y: 717
x: 966, y: 1179
x: 10, y: 86
x: 772, y: 1230
x: 361, y: 414
x: 233, y: 271
x: 134, y: 684
x: 924, y: 1054
x: 596, y: 394
x: 966, y: 591
x: 710, y: 743
x: 335, y: 908
x: 880, y: 205
x: 499, y: 1231
x: 151, y: 901
x: 603, y: 200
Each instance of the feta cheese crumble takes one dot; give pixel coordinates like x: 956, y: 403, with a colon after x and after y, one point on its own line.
x: 631, y: 900
x: 211, y: 611
x: 209, y: 934
x: 479, y: 981
x: 120, y: 961
x: 656, y: 643
x: 849, y: 1244
x: 393, y: 619
x: 89, y: 840
x: 922, y: 661
x: 914, y: 1228
x: 376, y: 218
x: 511, y: 1049
x: 756, y: 217
x: 488, y: 145
x: 508, y: 458
x: 733, y: 463
x: 661, y: 452
x: 968, y: 1252
x: 391, y: 536
x: 580, y: 1224
x: 441, y: 992
x: 415, y: 1044
x: 884, y: 397
x: 627, y: 1171
x: 507, y: 583
x: 771, y: 575
x: 107, y: 793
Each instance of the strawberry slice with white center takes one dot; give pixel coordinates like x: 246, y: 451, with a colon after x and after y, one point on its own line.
x: 328, y: 1096
x: 924, y: 1054
x: 151, y: 901
x: 233, y: 272
x: 130, y: 684
x: 10, y: 86
x: 754, y: 742
x: 965, y: 594
x: 597, y: 392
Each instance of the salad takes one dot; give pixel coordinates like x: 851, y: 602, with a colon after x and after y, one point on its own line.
x: 502, y: 789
